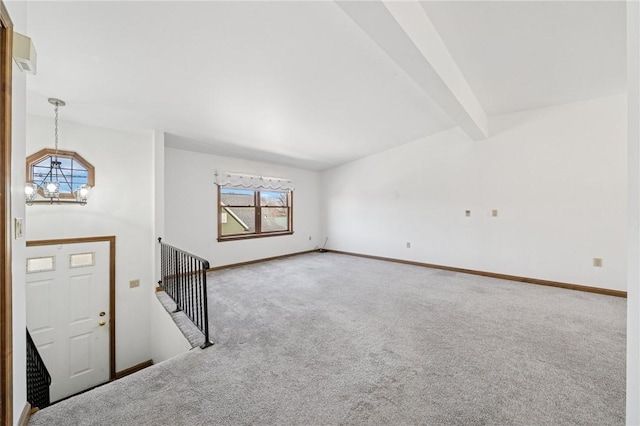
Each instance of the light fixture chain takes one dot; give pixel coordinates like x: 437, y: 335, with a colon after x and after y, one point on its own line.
x: 56, y: 129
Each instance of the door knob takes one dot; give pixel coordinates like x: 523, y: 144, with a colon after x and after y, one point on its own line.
x: 102, y: 322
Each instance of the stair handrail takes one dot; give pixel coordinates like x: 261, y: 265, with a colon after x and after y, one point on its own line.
x: 38, y: 377
x: 183, y: 276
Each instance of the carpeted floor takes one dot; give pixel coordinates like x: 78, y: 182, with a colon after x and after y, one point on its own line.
x: 327, y: 339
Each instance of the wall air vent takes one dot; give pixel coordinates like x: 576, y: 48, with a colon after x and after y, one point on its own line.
x: 24, y: 53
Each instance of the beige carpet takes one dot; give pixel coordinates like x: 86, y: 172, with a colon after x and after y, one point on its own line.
x: 327, y: 339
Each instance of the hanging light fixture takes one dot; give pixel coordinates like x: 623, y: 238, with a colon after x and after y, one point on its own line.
x: 46, y: 186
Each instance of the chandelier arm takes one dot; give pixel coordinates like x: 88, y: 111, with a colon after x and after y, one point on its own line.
x: 44, y: 179
x: 65, y: 179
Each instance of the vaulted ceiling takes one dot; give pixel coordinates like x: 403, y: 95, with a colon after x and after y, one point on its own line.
x: 318, y: 84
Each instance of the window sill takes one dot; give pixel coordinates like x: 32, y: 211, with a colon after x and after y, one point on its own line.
x: 252, y: 236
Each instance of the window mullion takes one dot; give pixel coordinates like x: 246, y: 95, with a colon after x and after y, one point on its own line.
x: 258, y: 213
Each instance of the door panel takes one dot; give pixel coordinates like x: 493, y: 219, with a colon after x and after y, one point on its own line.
x: 39, y: 318
x: 63, y: 313
x: 80, y: 355
x: 80, y: 287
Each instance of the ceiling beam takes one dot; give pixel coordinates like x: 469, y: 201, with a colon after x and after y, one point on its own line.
x: 405, y: 32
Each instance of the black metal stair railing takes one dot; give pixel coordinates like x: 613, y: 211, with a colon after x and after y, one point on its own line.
x: 38, y: 377
x: 184, y: 279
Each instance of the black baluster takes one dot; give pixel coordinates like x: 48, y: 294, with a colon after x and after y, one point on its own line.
x: 184, y: 279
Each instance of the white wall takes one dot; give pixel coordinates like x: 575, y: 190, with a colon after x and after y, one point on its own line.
x: 557, y: 177
x: 167, y: 340
x: 158, y: 199
x: 190, y: 208
x: 633, y: 291
x: 18, y: 13
x: 120, y: 204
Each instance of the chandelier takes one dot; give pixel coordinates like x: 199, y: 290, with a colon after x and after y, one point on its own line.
x: 57, y: 179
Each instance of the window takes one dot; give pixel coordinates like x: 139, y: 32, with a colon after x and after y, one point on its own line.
x: 66, y: 168
x: 252, y: 213
x: 41, y: 264
x: 79, y: 260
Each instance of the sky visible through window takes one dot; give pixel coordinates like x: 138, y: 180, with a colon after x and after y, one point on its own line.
x: 236, y: 191
x: 70, y: 176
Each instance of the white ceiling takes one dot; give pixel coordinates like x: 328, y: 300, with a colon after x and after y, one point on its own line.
x: 521, y: 55
x: 299, y: 83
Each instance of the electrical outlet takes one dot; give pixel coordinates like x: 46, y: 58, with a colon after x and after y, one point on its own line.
x: 467, y: 213
x: 134, y: 283
x: 408, y: 245
x: 494, y: 213
x: 597, y: 262
x: 309, y: 237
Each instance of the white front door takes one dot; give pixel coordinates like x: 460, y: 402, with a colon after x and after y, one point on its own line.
x: 68, y: 313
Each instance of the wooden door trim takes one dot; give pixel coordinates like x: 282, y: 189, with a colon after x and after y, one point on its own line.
x: 6, y: 312
x: 112, y: 286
